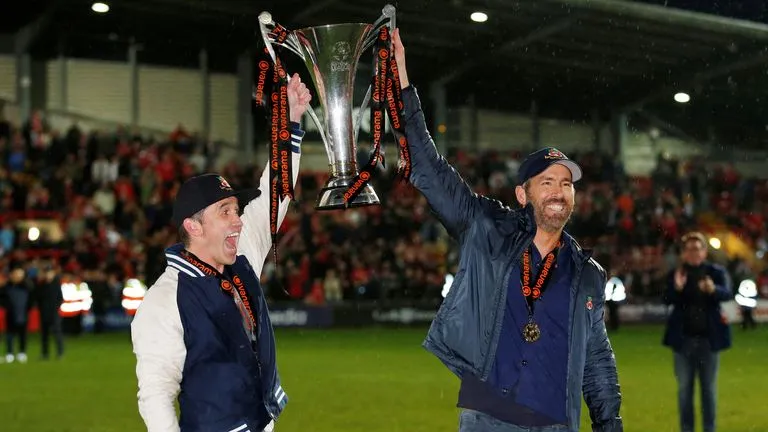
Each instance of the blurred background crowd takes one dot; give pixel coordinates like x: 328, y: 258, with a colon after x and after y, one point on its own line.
x: 109, y: 195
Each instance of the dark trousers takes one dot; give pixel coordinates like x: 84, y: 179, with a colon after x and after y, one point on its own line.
x: 696, y: 359
x: 613, y: 315
x: 46, y: 329
x: 476, y: 421
x: 748, y: 321
x: 14, y: 330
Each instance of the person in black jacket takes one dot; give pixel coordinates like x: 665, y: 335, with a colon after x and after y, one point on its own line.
x: 696, y: 330
x: 49, y: 299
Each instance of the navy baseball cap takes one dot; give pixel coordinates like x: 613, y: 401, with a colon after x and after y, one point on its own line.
x: 199, y: 192
x: 536, y: 162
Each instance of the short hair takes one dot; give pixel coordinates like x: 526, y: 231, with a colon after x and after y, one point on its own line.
x: 693, y: 236
x: 183, y: 233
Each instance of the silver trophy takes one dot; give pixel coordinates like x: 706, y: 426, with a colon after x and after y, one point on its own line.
x: 331, y: 54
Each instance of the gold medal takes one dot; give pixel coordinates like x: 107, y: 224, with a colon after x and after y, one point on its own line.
x: 531, y: 332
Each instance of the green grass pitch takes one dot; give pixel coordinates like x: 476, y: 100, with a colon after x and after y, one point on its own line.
x: 363, y: 380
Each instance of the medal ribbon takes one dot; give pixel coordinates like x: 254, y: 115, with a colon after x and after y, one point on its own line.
x: 386, y: 100
x: 280, y: 158
x: 534, y: 293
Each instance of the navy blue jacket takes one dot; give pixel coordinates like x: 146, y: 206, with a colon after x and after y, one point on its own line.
x: 719, y: 329
x: 225, y: 383
x: 465, y: 332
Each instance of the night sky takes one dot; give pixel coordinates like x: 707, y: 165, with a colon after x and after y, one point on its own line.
x: 753, y: 10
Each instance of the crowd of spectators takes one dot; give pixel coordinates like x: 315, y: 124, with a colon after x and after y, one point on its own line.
x: 110, y: 195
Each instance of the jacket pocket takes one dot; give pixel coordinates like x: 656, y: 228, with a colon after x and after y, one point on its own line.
x: 216, y: 390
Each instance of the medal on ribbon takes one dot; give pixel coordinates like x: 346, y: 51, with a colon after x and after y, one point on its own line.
x: 531, y: 331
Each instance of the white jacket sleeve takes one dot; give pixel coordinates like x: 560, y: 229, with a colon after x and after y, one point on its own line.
x: 256, y: 237
x: 158, y: 342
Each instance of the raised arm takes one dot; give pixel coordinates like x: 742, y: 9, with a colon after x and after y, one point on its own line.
x: 446, y: 191
x: 256, y: 237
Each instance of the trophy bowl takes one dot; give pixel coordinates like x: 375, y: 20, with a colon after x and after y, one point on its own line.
x: 331, y: 54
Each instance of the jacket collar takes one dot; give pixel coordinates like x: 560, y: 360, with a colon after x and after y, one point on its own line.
x: 174, y: 259
x: 580, y: 255
x: 526, y: 221
x: 511, y: 221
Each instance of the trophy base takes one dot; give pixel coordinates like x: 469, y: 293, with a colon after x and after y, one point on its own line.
x: 332, y: 195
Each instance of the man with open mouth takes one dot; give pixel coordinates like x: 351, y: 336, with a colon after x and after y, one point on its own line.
x: 203, y: 332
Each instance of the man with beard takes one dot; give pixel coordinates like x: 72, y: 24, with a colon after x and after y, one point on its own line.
x: 522, y: 325
x: 695, y: 330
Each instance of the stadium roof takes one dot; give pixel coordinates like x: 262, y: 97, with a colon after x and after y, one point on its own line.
x: 572, y: 56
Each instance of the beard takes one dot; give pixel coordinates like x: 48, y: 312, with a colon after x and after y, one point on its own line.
x: 550, y: 221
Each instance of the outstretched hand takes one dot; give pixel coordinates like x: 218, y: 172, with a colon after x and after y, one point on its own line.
x: 298, y: 98
x: 399, y: 51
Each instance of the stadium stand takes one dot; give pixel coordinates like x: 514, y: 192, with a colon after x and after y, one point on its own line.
x: 106, y: 197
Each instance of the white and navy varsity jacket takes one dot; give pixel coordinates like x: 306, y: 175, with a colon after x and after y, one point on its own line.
x: 190, y: 343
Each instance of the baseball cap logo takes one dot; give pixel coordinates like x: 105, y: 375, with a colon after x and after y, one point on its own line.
x: 224, y: 184
x: 554, y: 153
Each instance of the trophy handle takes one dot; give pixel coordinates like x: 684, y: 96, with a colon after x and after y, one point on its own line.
x: 292, y: 44
x: 390, y: 12
x: 387, y: 18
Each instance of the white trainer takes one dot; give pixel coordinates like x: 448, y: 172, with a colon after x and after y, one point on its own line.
x: 9, y: 358
x: 22, y: 357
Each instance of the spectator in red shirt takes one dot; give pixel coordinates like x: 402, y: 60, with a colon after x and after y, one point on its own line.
x: 166, y: 168
x: 124, y: 190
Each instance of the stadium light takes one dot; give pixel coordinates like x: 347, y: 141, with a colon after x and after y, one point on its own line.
x: 715, y: 243
x: 100, y: 7
x: 615, y: 290
x: 747, y: 294
x: 479, y: 17
x: 682, y: 97
x: 77, y: 298
x: 447, y: 284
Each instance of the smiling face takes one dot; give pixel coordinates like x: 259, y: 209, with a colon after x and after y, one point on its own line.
x: 551, y: 194
x: 214, y: 237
